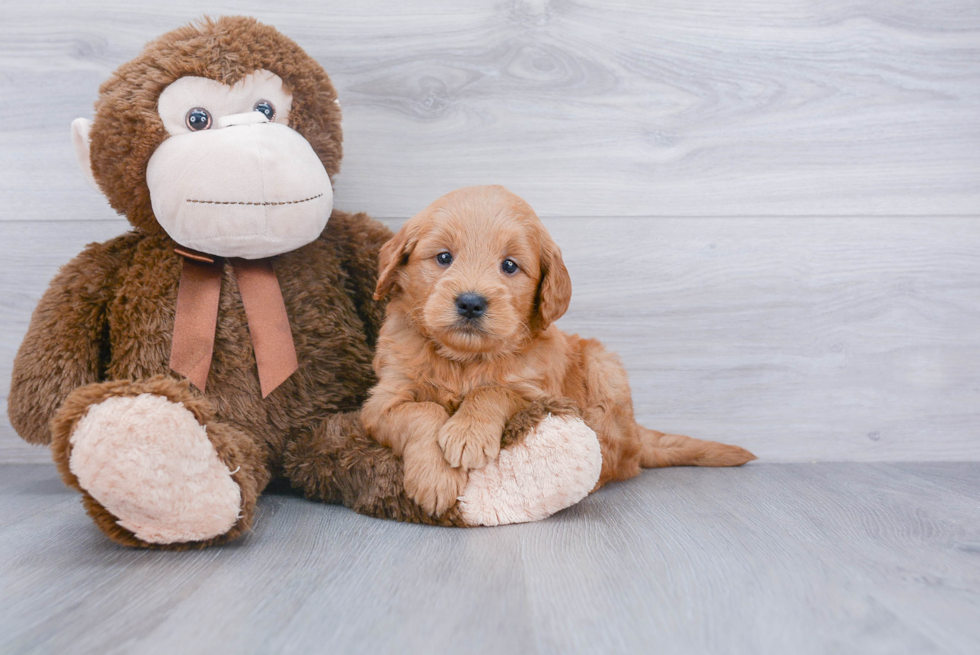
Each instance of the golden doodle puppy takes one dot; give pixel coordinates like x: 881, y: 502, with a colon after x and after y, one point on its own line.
x: 476, y: 283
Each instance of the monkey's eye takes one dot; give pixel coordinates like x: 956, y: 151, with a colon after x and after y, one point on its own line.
x: 198, y: 119
x: 267, y: 108
x: 444, y: 259
x: 509, y: 266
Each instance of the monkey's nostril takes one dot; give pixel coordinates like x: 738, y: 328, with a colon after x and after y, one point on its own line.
x: 471, y: 305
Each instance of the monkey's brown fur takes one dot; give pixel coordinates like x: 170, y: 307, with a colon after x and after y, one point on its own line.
x: 104, y: 326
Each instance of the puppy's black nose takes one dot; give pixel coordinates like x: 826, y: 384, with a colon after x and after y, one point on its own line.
x: 471, y: 305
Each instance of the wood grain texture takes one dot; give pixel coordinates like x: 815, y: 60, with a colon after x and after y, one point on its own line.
x: 800, y: 339
x: 808, y: 559
x: 770, y: 209
x: 588, y: 108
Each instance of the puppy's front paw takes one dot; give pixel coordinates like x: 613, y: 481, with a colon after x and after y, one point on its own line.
x: 469, y: 444
x: 432, y: 483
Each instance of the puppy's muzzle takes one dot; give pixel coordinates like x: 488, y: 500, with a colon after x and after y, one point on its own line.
x: 471, y: 306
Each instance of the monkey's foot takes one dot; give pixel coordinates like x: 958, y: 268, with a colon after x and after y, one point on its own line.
x: 149, y: 463
x: 556, y: 465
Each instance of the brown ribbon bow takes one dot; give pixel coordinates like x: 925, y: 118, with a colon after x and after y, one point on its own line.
x: 197, y: 318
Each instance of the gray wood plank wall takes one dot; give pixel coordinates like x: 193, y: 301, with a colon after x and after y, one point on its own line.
x: 771, y: 210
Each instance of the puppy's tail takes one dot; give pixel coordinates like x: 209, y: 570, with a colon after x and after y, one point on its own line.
x: 659, y: 450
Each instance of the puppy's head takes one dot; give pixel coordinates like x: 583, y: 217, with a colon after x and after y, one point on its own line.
x: 476, y: 272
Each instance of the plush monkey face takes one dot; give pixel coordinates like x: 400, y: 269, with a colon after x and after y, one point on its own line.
x: 223, y: 135
x: 233, y: 179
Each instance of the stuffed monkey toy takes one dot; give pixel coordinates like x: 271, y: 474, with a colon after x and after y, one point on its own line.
x: 227, y: 339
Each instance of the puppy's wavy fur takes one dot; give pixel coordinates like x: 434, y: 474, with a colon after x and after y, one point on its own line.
x: 448, y: 384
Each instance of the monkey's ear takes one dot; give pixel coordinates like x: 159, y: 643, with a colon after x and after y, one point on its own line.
x: 393, y: 255
x: 80, y: 140
x: 555, y: 287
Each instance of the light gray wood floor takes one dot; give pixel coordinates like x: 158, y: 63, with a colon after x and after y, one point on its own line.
x: 777, y: 558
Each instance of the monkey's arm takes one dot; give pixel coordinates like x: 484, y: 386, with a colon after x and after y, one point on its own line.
x: 359, y: 238
x: 67, y: 342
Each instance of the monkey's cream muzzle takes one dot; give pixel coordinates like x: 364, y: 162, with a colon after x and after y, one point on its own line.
x: 245, y: 188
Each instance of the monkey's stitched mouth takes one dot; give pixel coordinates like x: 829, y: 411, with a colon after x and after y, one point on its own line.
x: 234, y: 202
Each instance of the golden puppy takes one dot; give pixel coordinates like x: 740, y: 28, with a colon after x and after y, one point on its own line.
x: 468, y: 341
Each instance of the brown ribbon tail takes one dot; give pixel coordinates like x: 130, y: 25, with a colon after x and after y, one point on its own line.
x: 268, y: 323
x: 195, y: 320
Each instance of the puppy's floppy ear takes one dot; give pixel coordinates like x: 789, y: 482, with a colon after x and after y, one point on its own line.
x: 393, y: 255
x: 554, y: 288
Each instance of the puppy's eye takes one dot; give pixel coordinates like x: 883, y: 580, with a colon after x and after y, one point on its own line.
x: 509, y: 266
x: 444, y: 259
